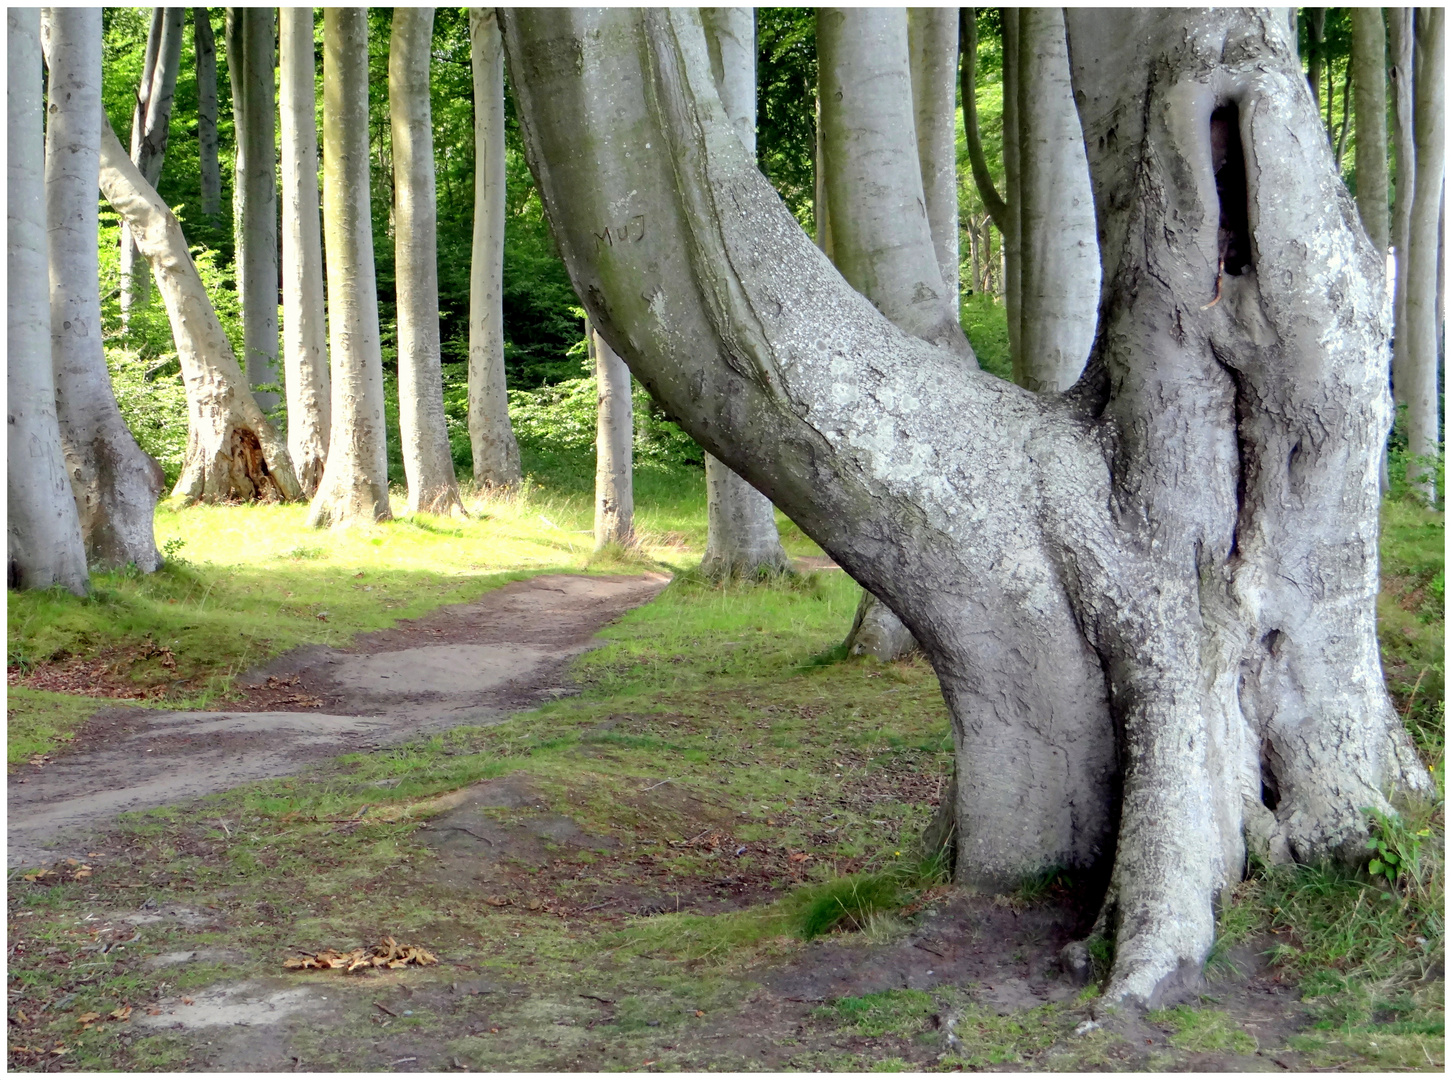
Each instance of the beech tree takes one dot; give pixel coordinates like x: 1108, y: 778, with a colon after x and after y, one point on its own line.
x: 43, y: 531
x: 1401, y: 46
x: 1150, y: 601
x: 491, y: 438
x: 114, y: 481
x: 304, y: 325
x: 427, y: 460
x: 933, y: 67
x: 354, y: 487
x: 204, y: 46
x: 1368, y: 73
x: 614, y: 449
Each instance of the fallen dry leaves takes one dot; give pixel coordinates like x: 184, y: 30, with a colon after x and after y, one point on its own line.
x: 389, y: 954
x: 70, y: 870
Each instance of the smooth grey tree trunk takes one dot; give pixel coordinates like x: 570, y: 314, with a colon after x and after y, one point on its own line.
x: 1010, y: 19
x: 1420, y: 372
x: 933, y: 68
x: 354, y: 488
x: 1315, y: 50
x: 1401, y: 46
x: 304, y: 317
x: 1368, y: 65
x: 204, y: 45
x: 115, y: 482
x: 614, y: 449
x: 741, y: 535
x: 1150, y: 601
x: 233, y: 452
x: 428, y: 463
x: 491, y: 437
x: 251, y: 33
x: 43, y: 531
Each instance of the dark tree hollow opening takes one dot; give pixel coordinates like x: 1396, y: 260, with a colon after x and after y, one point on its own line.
x: 1227, y: 155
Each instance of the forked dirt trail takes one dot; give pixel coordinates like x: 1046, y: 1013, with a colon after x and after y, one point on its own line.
x: 469, y: 663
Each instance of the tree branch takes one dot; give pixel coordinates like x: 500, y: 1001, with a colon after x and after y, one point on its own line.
x: 997, y: 208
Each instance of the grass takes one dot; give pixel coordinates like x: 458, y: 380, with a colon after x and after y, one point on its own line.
x: 1203, y: 1031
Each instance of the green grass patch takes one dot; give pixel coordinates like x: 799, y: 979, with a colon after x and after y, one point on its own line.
x: 1203, y: 1031
x: 892, y: 1012
x: 37, y: 721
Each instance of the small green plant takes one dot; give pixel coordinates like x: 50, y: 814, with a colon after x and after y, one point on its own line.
x: 1396, y: 850
x: 302, y: 551
x: 171, y: 550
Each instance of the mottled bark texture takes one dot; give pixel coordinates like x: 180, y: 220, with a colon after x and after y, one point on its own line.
x: 251, y: 33
x: 614, y: 449
x: 204, y: 45
x: 1368, y: 66
x: 233, y: 452
x: 1418, y: 378
x: 304, y: 318
x: 428, y: 462
x: 1150, y: 600
x: 933, y: 68
x: 354, y: 488
x: 491, y: 437
x: 114, y: 481
x: 43, y: 532
x: 741, y: 536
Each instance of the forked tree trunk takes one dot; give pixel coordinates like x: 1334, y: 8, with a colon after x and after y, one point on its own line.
x: 491, y: 438
x: 115, y: 482
x: 1151, y: 600
x: 354, y: 487
x: 304, y: 318
x: 204, y: 45
x: 428, y: 462
x: 741, y: 536
x: 933, y: 67
x: 614, y: 450
x: 232, y: 450
x: 43, y: 532
x: 1368, y: 65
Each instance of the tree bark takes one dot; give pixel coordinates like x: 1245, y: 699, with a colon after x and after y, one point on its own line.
x: 428, y: 462
x: 1012, y: 184
x: 1315, y: 42
x: 491, y: 438
x: 1058, y: 249
x: 614, y: 450
x: 250, y: 36
x: 43, y: 530
x: 1368, y: 67
x: 1420, y: 371
x: 354, y: 488
x: 304, y: 319
x: 1401, y: 48
x: 1346, y: 83
x: 205, y: 47
x: 741, y: 535
x: 233, y: 452
x: 115, y: 483
x: 933, y: 69
x: 1152, y: 598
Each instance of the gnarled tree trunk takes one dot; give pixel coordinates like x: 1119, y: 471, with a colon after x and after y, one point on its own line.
x: 204, y: 45
x: 491, y: 438
x: 354, y: 487
x: 1151, y: 599
x: 614, y: 449
x: 43, y: 532
x: 115, y: 482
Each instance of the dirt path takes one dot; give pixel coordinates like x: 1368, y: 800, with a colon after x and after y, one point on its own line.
x: 470, y: 663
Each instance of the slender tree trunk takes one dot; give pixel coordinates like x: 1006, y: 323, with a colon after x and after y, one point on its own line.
x: 1315, y: 42
x: 304, y: 320
x: 821, y: 215
x: 933, y: 68
x: 115, y: 483
x: 133, y: 284
x: 428, y: 461
x: 1346, y: 83
x: 614, y: 450
x: 250, y: 36
x: 43, y: 531
x: 491, y: 438
x: 1423, y: 427
x: 233, y: 452
x: 205, y: 47
x: 354, y: 487
x: 975, y: 280
x: 1012, y: 184
x: 1058, y: 248
x: 1401, y: 47
x: 992, y: 201
x: 1368, y: 68
x: 741, y: 535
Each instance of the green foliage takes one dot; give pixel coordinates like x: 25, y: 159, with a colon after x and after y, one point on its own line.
x: 786, y: 104
x: 891, y: 1012
x: 849, y: 903
x: 1397, y: 851
x: 985, y: 321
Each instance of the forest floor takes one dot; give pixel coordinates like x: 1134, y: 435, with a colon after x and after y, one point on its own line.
x: 705, y: 859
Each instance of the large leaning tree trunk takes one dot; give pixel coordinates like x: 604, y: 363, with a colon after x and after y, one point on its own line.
x: 614, y: 449
x: 354, y: 488
x: 428, y: 462
x: 1368, y: 74
x: 43, y: 532
x: 304, y: 316
x: 115, y: 482
x: 233, y: 452
x: 250, y: 36
x: 204, y: 46
x: 1418, y: 378
x: 933, y: 67
x: 491, y: 438
x: 741, y: 536
x: 1150, y: 600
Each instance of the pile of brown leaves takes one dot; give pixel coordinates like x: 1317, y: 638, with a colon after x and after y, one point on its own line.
x: 389, y: 954
x: 70, y: 870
